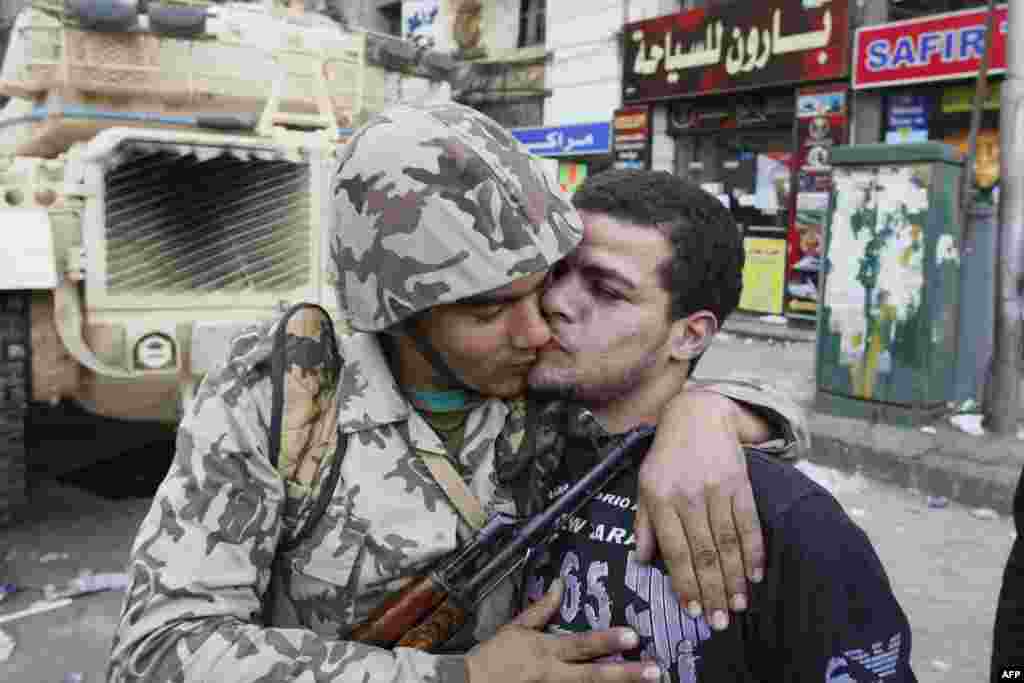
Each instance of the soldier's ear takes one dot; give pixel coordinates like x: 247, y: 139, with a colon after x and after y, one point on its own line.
x: 689, y: 337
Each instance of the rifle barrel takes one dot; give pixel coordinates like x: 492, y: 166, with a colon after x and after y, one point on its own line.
x: 577, y: 495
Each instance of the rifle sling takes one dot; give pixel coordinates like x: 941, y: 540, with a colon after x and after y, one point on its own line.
x: 451, y: 482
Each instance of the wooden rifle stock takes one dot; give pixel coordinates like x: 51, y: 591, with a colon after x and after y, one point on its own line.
x: 443, y: 623
x: 433, y: 607
x: 400, y: 613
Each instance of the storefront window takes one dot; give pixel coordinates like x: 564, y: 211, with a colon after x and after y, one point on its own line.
x: 766, y: 157
x: 943, y: 113
x: 750, y: 171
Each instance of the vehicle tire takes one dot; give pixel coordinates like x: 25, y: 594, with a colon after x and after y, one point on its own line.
x: 15, y: 359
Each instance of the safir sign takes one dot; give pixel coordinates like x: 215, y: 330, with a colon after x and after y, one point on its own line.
x: 935, y: 48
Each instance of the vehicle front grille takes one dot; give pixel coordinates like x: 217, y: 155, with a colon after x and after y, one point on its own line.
x: 182, y: 223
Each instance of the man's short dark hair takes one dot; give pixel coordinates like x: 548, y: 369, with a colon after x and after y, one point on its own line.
x: 706, y: 268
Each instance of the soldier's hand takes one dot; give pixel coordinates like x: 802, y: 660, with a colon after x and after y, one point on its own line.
x: 521, y: 652
x: 696, y: 505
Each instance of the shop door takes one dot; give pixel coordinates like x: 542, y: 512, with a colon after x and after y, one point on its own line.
x: 750, y: 171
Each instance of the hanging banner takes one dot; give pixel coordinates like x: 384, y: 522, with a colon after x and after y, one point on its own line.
x: 935, y: 48
x: 735, y: 47
x: 959, y: 99
x: 631, y: 137
x: 822, y: 123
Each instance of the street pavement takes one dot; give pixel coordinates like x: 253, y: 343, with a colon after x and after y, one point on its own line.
x: 937, y: 457
x: 786, y: 365
x: 944, y: 563
x: 64, y: 532
x: 945, y: 566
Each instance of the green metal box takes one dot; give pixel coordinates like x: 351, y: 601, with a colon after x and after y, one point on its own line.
x: 887, y: 327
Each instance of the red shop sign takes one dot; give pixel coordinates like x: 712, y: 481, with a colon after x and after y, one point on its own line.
x: 936, y: 48
x: 735, y: 47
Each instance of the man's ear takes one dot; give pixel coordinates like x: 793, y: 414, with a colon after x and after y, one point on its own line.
x: 689, y: 337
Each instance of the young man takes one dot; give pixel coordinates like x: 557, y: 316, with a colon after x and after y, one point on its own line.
x: 443, y: 235
x: 631, y: 311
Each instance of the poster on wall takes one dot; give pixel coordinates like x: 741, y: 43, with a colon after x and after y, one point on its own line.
x: 822, y: 123
x: 631, y: 137
x: 907, y: 118
x: 735, y: 47
x: 773, y: 172
x: 571, y: 175
x: 986, y: 160
x: 764, y: 270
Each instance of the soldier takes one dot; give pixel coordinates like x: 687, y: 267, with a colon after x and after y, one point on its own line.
x: 631, y: 311
x: 444, y: 231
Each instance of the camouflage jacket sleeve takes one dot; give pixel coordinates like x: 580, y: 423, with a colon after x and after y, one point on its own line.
x: 201, y: 564
x: 786, y: 417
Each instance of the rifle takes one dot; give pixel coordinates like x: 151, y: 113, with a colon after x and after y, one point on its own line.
x: 433, y: 607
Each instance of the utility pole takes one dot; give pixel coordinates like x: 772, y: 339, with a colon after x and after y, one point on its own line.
x: 867, y: 104
x: 1003, y: 409
x: 980, y: 95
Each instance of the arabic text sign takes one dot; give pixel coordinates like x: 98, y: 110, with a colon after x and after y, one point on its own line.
x: 581, y: 138
x: 632, y: 137
x: 935, y: 48
x: 735, y: 47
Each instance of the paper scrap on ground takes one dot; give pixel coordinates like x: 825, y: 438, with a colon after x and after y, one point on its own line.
x: 6, y: 646
x: 969, y: 423
x: 53, y: 557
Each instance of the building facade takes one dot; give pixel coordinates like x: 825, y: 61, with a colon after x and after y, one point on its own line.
x: 745, y: 99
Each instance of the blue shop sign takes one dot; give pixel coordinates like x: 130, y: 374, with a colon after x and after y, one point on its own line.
x: 554, y: 141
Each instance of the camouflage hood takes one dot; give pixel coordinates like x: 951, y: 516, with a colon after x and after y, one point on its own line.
x: 435, y: 204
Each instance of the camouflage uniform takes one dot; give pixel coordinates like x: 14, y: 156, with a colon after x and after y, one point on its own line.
x: 433, y: 205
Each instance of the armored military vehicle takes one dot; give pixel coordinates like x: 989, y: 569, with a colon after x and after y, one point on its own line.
x: 163, y: 182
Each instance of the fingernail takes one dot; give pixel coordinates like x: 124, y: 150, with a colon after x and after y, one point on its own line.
x: 739, y: 602
x: 757, y: 576
x: 720, y: 620
x: 652, y: 673
x: 694, y: 609
x: 630, y: 639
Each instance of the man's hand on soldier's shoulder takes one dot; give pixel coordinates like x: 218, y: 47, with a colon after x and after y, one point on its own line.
x: 696, y: 506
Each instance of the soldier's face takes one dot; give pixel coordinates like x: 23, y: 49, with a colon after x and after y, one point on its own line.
x: 492, y: 340
x: 609, y: 314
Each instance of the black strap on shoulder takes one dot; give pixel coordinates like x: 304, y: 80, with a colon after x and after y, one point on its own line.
x: 323, y: 499
x: 278, y: 368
